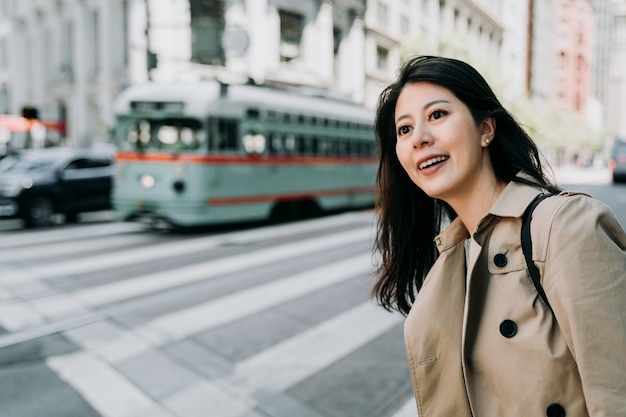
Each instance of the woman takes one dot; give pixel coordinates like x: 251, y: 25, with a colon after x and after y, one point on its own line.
x: 479, y: 340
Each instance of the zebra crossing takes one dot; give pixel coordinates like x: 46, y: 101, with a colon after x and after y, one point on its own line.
x: 270, y: 321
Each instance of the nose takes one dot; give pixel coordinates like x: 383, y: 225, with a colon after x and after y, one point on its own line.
x: 422, y: 137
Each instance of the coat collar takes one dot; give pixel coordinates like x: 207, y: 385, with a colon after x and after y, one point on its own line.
x: 512, y: 202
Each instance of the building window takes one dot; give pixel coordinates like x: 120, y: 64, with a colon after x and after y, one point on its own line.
x: 291, y: 28
x: 207, y: 26
x: 95, y: 42
x: 125, y: 34
x: 404, y: 25
x: 3, y: 55
x: 382, y: 12
x: 382, y: 58
x: 68, y: 50
x: 337, y: 38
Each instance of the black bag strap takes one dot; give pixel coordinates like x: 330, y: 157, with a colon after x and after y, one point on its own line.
x: 527, y: 247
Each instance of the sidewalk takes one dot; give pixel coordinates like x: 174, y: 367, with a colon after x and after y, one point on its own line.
x: 571, y: 174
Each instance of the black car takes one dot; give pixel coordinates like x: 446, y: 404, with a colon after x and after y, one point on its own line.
x: 36, y: 184
x: 617, y: 163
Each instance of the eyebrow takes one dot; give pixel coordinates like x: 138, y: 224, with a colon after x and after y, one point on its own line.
x: 427, y: 105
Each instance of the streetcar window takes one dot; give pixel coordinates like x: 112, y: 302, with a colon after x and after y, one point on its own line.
x: 364, y: 148
x: 342, y: 149
x: 332, y: 147
x: 168, y: 135
x: 226, y: 138
x: 323, y: 147
x: 290, y: 144
x: 276, y: 144
x: 302, y: 145
x: 253, y: 113
x: 144, y: 132
x: 315, y: 142
x: 178, y: 134
x: 254, y: 143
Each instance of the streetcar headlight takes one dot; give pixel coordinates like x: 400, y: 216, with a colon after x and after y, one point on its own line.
x: 147, y: 181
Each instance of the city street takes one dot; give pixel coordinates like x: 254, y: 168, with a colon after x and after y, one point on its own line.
x: 110, y: 319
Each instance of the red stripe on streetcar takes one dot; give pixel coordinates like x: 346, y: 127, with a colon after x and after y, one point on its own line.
x: 242, y: 159
x: 222, y: 201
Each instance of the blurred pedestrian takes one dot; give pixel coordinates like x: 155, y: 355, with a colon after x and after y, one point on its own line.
x: 456, y: 175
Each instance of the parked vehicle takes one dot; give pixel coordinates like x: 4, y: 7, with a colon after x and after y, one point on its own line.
x: 37, y: 184
x: 617, y: 163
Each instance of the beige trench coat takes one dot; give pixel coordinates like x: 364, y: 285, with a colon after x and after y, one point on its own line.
x: 485, y: 345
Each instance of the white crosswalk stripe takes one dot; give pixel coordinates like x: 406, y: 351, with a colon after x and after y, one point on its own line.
x: 111, y: 348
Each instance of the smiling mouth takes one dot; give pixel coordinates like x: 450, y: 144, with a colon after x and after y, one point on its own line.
x: 433, y: 161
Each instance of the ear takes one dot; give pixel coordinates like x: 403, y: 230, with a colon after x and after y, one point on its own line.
x: 487, y: 131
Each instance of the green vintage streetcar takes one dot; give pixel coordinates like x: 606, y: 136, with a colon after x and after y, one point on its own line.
x: 206, y: 153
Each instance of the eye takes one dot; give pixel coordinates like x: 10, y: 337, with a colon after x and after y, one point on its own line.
x: 403, y: 130
x: 437, y: 114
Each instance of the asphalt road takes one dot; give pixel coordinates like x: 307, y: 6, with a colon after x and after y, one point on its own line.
x: 108, y: 319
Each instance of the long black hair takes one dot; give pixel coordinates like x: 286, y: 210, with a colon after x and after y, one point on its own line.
x: 408, y: 219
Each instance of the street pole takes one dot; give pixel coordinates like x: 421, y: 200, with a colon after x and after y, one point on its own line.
x: 148, y: 49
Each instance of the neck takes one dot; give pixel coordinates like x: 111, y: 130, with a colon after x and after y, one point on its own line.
x: 472, y: 206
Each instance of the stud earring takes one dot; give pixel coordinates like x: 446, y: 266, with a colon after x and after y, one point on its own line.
x: 487, y: 141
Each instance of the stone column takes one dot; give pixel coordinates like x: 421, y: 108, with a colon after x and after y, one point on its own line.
x: 258, y: 39
x: 78, y: 112
x: 105, y: 76
x: 352, y: 61
x: 321, y: 61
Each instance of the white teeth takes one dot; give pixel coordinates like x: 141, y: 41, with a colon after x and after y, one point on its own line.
x: 432, y: 161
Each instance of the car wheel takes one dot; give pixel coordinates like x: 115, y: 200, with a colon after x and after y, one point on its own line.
x: 39, y: 213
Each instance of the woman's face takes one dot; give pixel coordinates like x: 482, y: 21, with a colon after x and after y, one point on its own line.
x: 439, y: 144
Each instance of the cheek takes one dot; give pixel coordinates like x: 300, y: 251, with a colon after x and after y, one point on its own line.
x: 401, y: 153
x: 404, y: 152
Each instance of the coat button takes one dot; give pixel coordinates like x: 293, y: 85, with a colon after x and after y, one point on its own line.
x: 500, y: 260
x: 555, y: 410
x: 508, y: 328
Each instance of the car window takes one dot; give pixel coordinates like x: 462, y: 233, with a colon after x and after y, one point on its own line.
x: 84, y: 168
x: 620, y: 148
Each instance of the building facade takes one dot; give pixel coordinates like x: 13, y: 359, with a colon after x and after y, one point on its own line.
x: 540, y: 65
x: 616, y: 91
x: 71, y: 58
x: 68, y: 59
x: 396, y: 29
x: 574, y: 26
x: 515, y: 47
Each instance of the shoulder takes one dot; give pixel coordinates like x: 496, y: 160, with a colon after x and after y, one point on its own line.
x: 572, y: 216
x: 572, y: 206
